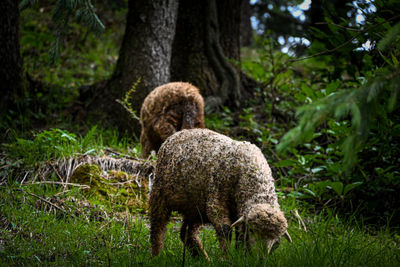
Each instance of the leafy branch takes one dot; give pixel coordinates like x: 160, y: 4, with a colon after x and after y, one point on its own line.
x: 328, y: 51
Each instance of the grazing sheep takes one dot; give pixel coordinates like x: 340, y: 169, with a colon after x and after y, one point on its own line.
x: 210, y: 178
x: 168, y: 109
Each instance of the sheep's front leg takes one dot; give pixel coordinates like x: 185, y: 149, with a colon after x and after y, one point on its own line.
x: 190, y: 237
x: 218, y: 214
x: 147, y: 146
x: 159, y: 217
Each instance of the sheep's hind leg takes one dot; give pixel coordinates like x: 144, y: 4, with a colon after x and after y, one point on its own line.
x: 190, y: 237
x: 159, y: 218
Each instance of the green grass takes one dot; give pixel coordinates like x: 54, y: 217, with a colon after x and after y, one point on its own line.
x: 57, y: 143
x: 71, y: 232
x: 32, y: 234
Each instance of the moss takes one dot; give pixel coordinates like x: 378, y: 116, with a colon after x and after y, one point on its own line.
x: 115, y: 189
x: 88, y: 174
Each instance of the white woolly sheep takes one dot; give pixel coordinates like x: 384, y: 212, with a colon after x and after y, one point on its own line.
x: 210, y: 178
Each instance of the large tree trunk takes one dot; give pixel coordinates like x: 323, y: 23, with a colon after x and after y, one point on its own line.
x: 10, y: 58
x: 145, y: 53
x: 198, y: 55
x: 246, y: 31
x: 146, y: 47
x: 229, y: 18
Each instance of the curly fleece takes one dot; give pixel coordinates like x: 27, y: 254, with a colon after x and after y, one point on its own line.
x: 168, y: 109
x: 210, y: 178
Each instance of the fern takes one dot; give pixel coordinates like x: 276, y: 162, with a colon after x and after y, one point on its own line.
x: 390, y: 38
x: 82, y: 10
x: 26, y: 3
x: 364, y: 105
x: 360, y: 104
x: 126, y: 102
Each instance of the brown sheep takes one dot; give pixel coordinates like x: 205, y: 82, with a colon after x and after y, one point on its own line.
x: 210, y: 178
x: 167, y: 109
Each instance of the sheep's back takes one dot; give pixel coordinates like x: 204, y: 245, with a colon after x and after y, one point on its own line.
x: 193, y: 163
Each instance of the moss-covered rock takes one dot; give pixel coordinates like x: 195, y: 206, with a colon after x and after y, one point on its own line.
x: 119, y: 190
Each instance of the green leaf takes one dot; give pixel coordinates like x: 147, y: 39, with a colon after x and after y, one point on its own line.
x: 395, y: 60
x: 337, y: 187
x: 90, y: 151
x: 348, y: 187
x: 332, y: 87
x: 286, y: 163
x: 318, y: 169
x: 309, y: 191
x: 69, y: 137
x: 308, y: 91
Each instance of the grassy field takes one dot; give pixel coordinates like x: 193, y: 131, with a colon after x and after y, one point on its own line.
x: 34, y: 232
x: 49, y: 224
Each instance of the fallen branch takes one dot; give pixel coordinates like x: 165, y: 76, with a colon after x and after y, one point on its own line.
x: 61, y: 183
x: 42, y: 199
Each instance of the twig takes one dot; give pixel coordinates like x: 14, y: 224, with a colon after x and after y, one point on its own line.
x: 109, y: 150
x: 62, y: 192
x: 59, y: 176
x: 339, y: 26
x: 42, y: 199
x: 122, y: 183
x: 51, y: 182
x: 345, y: 43
x: 26, y: 174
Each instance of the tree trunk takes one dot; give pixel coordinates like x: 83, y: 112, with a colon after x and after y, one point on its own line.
x: 198, y: 55
x: 246, y: 31
x: 146, y: 47
x: 229, y: 17
x: 145, y: 53
x: 10, y: 58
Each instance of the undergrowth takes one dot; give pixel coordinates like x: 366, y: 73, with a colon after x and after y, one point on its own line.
x: 33, y: 232
x: 50, y: 224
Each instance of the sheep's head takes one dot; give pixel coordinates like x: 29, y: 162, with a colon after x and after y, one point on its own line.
x: 267, y: 223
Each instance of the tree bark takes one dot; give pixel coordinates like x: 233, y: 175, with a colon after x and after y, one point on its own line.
x: 145, y: 53
x: 146, y: 47
x: 246, y: 31
x: 229, y: 18
x: 198, y: 55
x: 10, y: 58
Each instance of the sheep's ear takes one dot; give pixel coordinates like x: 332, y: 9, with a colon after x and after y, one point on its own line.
x: 241, y: 219
x: 287, y: 236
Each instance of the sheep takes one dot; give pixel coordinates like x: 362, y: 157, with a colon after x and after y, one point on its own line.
x: 210, y: 178
x: 167, y: 109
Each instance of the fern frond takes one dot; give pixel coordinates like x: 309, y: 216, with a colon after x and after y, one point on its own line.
x: 360, y: 104
x: 390, y: 38
x: 126, y: 102
x: 26, y: 3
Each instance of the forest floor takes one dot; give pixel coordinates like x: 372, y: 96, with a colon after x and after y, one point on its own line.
x: 72, y: 207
